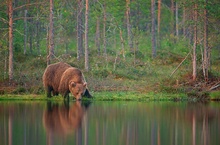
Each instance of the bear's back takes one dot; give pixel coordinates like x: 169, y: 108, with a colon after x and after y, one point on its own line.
x: 53, y: 74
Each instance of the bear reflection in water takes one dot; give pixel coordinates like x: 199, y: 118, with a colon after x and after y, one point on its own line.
x: 63, y: 119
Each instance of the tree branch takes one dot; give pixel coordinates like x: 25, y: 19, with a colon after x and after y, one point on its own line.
x: 215, y: 86
x: 23, y: 18
x: 37, y: 3
x: 179, y: 64
x: 4, y: 20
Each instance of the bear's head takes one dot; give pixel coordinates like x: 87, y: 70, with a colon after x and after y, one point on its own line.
x: 77, y: 89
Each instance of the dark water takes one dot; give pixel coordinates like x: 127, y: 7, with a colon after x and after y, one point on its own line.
x: 109, y: 123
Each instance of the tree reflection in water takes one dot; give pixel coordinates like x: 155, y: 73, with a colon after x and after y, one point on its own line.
x: 130, y: 123
x: 156, y: 123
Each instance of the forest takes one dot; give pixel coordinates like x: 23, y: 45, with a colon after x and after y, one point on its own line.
x: 143, y: 46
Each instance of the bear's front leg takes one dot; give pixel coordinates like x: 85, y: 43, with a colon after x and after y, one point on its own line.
x: 48, y: 91
x: 66, y: 95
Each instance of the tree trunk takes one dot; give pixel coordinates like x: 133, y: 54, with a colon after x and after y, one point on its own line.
x: 97, y: 36
x: 10, y: 39
x: 86, y: 36
x: 79, y: 31
x: 158, y: 22
x: 31, y: 36
x: 25, y: 31
x: 153, y: 39
x: 115, y: 39
x: 172, y: 17
x: 122, y: 44
x: 5, y: 65
x: 195, y: 43
x: 177, y: 21
x: 184, y: 20
x: 51, y: 35
x: 37, y: 37
x: 206, y: 52
x: 104, y: 29
x: 38, y: 32
x: 129, y: 25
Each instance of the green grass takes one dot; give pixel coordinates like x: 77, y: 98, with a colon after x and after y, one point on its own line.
x: 117, y: 96
x: 135, y: 96
x: 215, y: 95
x: 105, y: 96
x: 27, y: 97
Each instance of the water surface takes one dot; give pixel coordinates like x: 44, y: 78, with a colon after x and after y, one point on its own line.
x: 109, y: 123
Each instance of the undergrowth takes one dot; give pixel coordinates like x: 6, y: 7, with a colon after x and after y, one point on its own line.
x: 136, y: 72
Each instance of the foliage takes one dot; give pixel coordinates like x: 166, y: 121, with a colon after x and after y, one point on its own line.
x: 128, y: 70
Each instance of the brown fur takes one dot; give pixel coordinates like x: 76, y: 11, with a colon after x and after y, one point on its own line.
x: 63, y: 78
x: 78, y: 86
x: 63, y: 120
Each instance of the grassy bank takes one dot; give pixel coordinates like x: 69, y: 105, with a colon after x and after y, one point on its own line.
x: 144, y: 81
x: 116, y: 96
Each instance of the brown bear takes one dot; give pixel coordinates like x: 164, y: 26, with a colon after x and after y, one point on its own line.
x: 63, y: 78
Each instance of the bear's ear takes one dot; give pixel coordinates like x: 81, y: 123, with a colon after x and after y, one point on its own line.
x: 72, y: 84
x: 85, y: 84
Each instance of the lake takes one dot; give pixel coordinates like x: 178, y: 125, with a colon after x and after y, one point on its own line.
x: 109, y: 123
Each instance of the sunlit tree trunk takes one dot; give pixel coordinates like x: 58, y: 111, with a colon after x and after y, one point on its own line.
x: 79, y: 30
x: 153, y: 39
x: 51, y: 35
x: 130, y: 41
x: 195, y: 42
x: 10, y: 39
x: 206, y: 52
x: 86, y: 36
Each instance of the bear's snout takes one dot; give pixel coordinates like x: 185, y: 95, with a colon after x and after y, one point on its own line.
x: 79, y: 98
